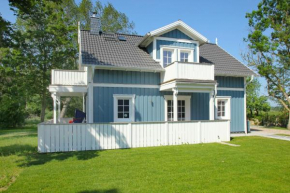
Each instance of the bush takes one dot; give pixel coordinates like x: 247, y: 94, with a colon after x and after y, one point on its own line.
x: 12, y: 113
x: 49, y: 115
x: 274, y: 118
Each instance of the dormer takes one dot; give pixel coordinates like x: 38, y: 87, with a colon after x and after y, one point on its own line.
x: 176, y: 42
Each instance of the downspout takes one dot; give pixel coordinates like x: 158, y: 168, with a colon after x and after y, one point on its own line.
x: 245, y: 101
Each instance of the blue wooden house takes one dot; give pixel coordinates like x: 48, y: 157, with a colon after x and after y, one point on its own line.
x: 170, y: 74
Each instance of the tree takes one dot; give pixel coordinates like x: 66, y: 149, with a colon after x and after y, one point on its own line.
x: 269, y: 47
x: 112, y: 21
x: 45, y: 39
x: 256, y: 103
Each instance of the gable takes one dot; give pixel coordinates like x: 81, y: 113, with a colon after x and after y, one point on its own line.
x: 176, y: 33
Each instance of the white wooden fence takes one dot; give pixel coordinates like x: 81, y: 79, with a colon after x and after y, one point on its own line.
x: 81, y: 137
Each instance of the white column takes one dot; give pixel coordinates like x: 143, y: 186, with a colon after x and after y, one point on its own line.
x: 54, y: 107
x: 211, y: 105
x: 84, y: 108
x: 59, y: 105
x: 175, y: 101
x: 245, y: 105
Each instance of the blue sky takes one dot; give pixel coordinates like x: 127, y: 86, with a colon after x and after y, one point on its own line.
x: 222, y: 19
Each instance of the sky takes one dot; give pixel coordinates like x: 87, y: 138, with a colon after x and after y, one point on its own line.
x: 221, y: 19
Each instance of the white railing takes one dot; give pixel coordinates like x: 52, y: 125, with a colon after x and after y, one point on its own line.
x: 68, y: 77
x: 81, y: 137
x: 199, y: 71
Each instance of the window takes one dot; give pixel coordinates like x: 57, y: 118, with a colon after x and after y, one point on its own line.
x: 183, y: 108
x: 180, y: 111
x: 124, y: 109
x: 184, y: 57
x: 223, y: 107
x: 167, y: 57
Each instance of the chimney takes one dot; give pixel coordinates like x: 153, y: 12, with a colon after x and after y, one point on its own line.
x: 95, y: 24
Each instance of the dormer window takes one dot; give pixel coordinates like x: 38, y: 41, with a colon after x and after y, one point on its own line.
x: 184, y: 56
x: 167, y: 57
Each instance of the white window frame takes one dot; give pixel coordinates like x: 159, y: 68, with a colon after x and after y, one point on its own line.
x: 227, y: 100
x: 190, y: 54
x: 179, y: 97
x: 131, y: 98
x: 173, y: 55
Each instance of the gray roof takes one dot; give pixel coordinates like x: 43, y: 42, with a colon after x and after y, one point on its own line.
x: 225, y: 64
x: 107, y: 50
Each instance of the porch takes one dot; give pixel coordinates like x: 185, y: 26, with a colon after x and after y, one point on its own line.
x: 66, y: 83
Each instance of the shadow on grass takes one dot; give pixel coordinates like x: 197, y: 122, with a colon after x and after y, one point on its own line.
x: 100, y: 191
x: 31, y: 157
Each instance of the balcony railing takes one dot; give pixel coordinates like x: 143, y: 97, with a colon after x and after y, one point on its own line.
x: 68, y: 77
x: 199, y: 71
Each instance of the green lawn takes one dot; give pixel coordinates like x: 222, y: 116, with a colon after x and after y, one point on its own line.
x: 257, y: 165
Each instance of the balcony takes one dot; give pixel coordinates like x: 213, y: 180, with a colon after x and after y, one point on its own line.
x: 69, y: 77
x: 195, y: 71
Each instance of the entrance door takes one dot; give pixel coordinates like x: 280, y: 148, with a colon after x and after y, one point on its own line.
x: 181, y: 110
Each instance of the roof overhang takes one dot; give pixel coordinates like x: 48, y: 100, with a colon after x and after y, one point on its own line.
x: 180, y: 25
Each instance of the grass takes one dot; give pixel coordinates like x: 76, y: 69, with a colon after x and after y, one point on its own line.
x: 258, y: 165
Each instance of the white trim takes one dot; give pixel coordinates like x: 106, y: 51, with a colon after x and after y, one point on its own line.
x: 187, y: 105
x: 174, y: 25
x: 131, y: 98
x: 245, y: 104
x: 230, y: 89
x: 154, y: 49
x: 227, y: 108
x: 125, y: 85
x: 176, y: 40
x: 211, y: 105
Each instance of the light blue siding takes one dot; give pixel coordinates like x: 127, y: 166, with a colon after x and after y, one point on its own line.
x: 178, y: 44
x: 230, y: 82
x: 126, y: 77
x: 150, y: 49
x: 237, y: 109
x: 176, y: 34
x: 149, y: 103
x: 199, y: 106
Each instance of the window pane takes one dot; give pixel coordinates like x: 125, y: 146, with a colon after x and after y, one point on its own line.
x: 169, y: 53
x: 183, y: 109
x: 126, y: 108
x: 169, y: 109
x: 126, y: 115
x: 183, y: 102
x: 179, y: 109
x: 219, y: 114
x: 169, y: 102
x: 179, y: 103
x: 169, y: 61
x: 223, y: 114
x: 179, y: 115
x: 183, y: 115
x: 120, y: 102
x: 120, y: 115
x: 120, y: 108
x: 126, y: 102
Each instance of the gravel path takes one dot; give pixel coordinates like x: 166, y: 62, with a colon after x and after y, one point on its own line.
x: 270, y: 133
